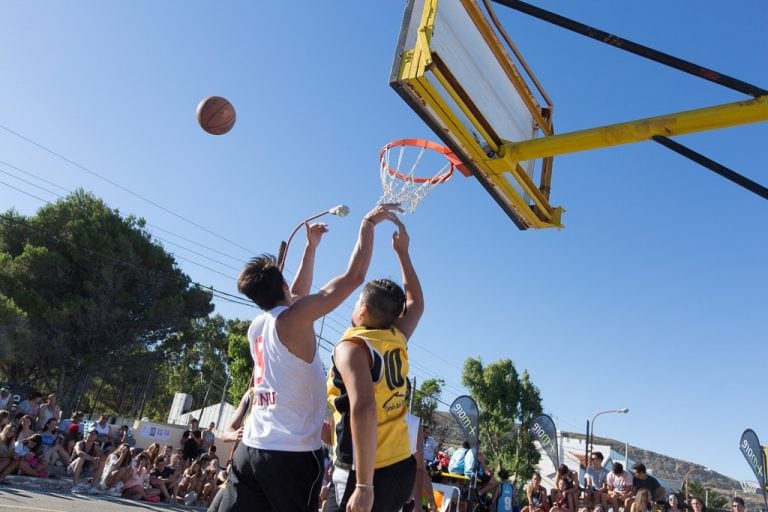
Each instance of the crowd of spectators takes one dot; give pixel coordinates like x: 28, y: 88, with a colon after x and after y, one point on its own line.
x: 103, y: 459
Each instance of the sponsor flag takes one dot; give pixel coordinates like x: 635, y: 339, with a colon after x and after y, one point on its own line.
x: 464, y: 411
x: 752, y: 450
x: 543, y: 430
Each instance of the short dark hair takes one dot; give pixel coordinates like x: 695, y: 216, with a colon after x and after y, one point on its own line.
x: 598, y: 455
x: 639, y: 467
x: 739, y: 500
x: 385, y: 301
x: 262, y: 282
x: 617, y: 468
x: 503, y: 474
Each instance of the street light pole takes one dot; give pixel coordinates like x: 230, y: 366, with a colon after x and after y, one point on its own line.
x: 341, y: 210
x: 590, y: 441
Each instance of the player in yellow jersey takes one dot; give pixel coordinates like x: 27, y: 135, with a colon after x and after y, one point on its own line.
x: 373, y: 465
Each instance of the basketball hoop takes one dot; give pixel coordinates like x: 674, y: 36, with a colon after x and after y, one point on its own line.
x: 397, y: 170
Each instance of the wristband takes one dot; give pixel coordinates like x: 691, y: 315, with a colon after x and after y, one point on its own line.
x: 364, y: 486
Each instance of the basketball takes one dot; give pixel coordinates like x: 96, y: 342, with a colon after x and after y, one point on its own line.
x: 216, y: 115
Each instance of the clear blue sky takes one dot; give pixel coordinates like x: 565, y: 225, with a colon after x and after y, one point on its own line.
x: 653, y: 297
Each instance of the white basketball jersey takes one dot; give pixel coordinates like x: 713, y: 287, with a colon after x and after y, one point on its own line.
x: 288, y: 405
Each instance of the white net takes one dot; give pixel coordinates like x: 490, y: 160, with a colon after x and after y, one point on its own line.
x: 398, y: 163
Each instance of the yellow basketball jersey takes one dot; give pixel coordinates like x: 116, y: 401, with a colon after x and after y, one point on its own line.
x: 389, y: 372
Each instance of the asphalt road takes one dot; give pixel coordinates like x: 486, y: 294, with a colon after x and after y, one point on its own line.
x: 24, y: 500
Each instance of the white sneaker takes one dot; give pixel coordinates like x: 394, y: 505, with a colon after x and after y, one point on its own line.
x: 96, y: 489
x: 79, y: 488
x: 190, y: 497
x: 116, y: 490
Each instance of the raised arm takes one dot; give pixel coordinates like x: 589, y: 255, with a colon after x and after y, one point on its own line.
x: 414, y: 297
x: 302, y: 283
x: 311, y: 307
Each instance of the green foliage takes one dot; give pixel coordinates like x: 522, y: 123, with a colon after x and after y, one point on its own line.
x: 426, y: 399
x: 508, y: 404
x: 240, y: 363
x: 707, y: 495
x: 97, y: 303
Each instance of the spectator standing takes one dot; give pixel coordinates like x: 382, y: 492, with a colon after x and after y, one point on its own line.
x: 209, y: 438
x: 191, y: 441
x: 281, y: 441
x: 430, y: 446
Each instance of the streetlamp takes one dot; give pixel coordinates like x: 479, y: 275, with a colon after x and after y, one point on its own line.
x: 341, y: 210
x: 685, y: 479
x: 590, y: 444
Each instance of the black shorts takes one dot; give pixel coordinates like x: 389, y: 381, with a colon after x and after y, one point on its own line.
x: 392, y: 487
x: 273, y: 481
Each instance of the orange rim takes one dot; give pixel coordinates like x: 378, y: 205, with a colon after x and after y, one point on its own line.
x: 453, y: 160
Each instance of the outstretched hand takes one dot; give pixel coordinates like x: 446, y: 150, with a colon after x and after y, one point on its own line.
x: 400, y: 238
x: 384, y: 211
x: 315, y: 232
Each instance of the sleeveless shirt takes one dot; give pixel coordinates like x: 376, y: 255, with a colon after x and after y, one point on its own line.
x: 389, y: 372
x: 288, y: 405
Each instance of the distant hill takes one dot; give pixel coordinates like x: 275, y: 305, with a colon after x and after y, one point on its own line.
x: 447, y: 432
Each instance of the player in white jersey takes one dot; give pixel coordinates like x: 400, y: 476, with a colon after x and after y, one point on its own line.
x: 278, y: 465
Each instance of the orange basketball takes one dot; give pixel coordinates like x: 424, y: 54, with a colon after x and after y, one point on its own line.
x: 216, y: 115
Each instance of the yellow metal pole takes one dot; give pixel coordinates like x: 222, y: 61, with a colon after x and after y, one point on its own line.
x: 670, y: 125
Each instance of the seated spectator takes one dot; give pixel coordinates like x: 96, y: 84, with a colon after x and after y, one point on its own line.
x: 619, y: 487
x: 561, y: 498
x: 26, y: 429
x: 50, y: 409
x: 737, y: 504
x: 5, y: 418
x: 76, y: 419
x: 162, y: 477
x: 486, y: 482
x: 116, y: 470
x: 124, y: 435
x: 152, y: 451
x: 71, y: 437
x: 673, y: 504
x: 137, y: 486
x: 594, y: 480
x: 86, y: 462
x: 697, y: 505
x: 642, y: 480
x: 31, y: 406
x: 642, y: 501
x: 103, y: 433
x: 28, y: 453
x: 570, y: 492
x: 209, y: 482
x: 52, y: 450
x: 537, y: 496
x: 8, y: 462
x: 6, y: 398
x: 457, y: 465
x: 191, y: 482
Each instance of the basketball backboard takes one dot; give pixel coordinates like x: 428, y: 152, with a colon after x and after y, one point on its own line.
x: 457, y: 75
